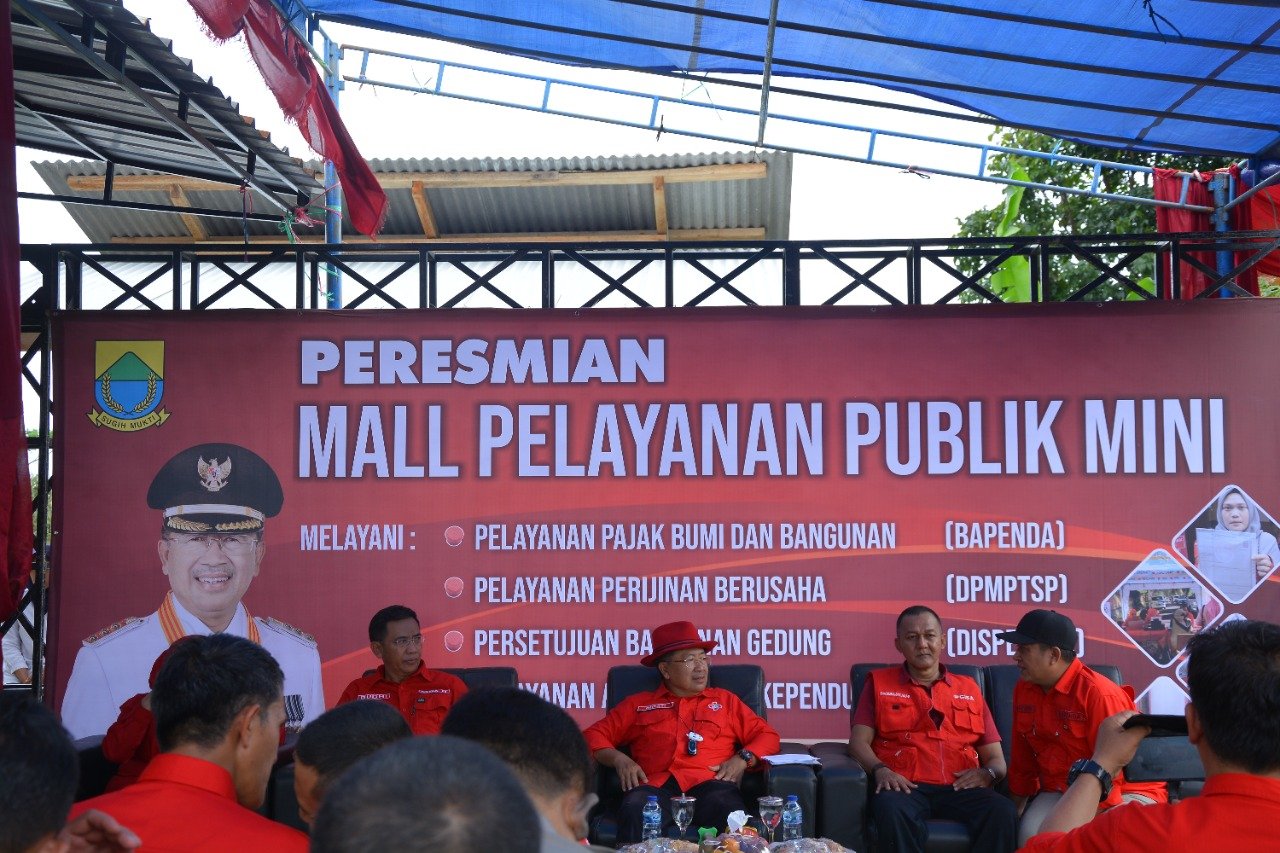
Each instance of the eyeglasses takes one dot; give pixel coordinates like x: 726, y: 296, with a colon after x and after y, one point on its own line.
x: 405, y: 642
x: 234, y: 544
x: 693, y: 660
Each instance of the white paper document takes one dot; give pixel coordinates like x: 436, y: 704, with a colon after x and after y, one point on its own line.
x: 1225, y: 558
x: 791, y: 758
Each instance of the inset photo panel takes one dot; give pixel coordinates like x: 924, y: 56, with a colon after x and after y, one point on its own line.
x: 1163, y: 696
x: 1232, y: 544
x: 1159, y: 606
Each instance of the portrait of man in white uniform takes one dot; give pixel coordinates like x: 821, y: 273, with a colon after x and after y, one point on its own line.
x: 214, y: 500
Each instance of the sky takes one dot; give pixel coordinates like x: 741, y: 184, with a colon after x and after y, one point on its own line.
x: 831, y: 198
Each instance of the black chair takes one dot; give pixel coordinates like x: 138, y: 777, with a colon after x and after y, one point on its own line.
x: 282, y: 804
x: 945, y: 836
x: 746, y: 681
x: 95, y: 770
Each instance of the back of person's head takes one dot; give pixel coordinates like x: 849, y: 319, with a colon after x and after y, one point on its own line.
x: 385, y: 616
x: 537, y: 739
x: 39, y: 769
x: 1234, y: 678
x: 205, y: 684
x: 339, y: 738
x: 441, y: 794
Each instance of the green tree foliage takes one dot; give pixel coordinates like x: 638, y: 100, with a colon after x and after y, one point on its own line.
x: 1040, y: 212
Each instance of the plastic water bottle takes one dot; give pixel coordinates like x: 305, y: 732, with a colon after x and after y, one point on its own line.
x: 652, y: 816
x: 792, y: 819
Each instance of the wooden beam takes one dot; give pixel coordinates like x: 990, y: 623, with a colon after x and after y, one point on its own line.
x: 178, y: 198
x: 660, y: 204
x: 463, y: 180
x: 425, y: 215
x: 146, y: 183
x: 699, y: 234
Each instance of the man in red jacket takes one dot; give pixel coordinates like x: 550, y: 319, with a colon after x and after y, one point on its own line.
x: 686, y: 736
x: 219, y: 706
x: 1233, y: 721
x: 928, y: 743
x: 423, y: 696
x: 1057, y: 708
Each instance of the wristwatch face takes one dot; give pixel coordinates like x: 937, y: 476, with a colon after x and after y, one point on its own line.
x: 747, y: 756
x: 1086, y: 765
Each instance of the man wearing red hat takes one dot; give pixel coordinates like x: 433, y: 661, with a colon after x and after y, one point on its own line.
x: 683, y: 737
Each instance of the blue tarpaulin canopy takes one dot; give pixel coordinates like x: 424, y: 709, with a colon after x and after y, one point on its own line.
x: 1164, y: 75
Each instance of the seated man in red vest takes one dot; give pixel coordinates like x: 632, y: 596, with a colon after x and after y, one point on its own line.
x: 684, y: 737
x: 929, y: 745
x: 422, y: 696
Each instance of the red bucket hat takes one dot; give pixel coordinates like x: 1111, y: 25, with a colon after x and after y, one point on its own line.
x: 672, y: 637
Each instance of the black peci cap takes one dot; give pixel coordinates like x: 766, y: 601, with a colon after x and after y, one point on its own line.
x: 1043, y: 626
x: 218, y: 488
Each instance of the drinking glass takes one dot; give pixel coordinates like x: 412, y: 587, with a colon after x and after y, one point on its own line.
x: 770, y: 813
x: 682, y: 811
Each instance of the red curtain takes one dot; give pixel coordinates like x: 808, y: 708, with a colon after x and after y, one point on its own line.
x: 291, y: 76
x: 1168, y: 187
x: 1264, y: 210
x: 15, y: 480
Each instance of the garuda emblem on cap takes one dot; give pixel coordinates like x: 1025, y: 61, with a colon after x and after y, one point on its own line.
x: 212, y: 475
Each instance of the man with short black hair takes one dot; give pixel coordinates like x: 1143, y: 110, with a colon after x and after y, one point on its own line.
x: 1057, y: 707
x: 219, y: 707
x: 439, y: 794
x: 38, y: 773
x: 1233, y: 720
x: 685, y: 737
x: 334, y: 741
x: 544, y: 747
x: 929, y: 745
x: 422, y: 696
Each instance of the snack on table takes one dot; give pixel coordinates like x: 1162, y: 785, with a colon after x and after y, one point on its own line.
x: 660, y: 845
x: 809, y: 845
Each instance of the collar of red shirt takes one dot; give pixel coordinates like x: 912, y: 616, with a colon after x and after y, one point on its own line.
x: 417, y: 673
x: 1067, y: 682
x: 194, y: 772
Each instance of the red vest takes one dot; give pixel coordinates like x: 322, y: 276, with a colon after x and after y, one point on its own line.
x: 906, y: 738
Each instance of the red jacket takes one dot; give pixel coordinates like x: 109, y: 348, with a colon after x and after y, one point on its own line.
x: 1052, y: 729
x: 130, y: 742
x: 906, y: 737
x: 423, y: 698
x: 185, y: 803
x: 654, y: 726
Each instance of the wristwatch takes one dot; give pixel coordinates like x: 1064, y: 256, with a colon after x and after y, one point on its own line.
x: 747, y: 756
x: 1092, y: 768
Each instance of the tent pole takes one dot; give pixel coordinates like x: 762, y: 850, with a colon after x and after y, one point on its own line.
x: 1219, y: 186
x: 333, y: 193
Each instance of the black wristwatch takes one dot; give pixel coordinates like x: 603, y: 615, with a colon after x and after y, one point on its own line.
x: 747, y: 756
x: 1092, y: 768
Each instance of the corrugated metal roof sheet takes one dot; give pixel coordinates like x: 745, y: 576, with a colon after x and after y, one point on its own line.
x: 558, y: 197
x: 64, y: 103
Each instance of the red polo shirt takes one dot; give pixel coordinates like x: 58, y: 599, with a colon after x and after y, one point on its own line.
x: 424, y: 698
x: 1235, y: 811
x: 1052, y: 729
x: 655, y: 726
x: 185, y: 803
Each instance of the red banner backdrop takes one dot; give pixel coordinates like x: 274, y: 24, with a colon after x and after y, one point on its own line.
x: 545, y: 487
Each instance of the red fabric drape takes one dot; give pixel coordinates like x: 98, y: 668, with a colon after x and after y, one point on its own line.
x: 290, y: 75
x: 15, y: 481
x: 1168, y: 187
x: 1264, y: 210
